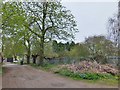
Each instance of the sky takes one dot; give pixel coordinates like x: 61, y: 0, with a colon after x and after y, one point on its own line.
x: 91, y: 17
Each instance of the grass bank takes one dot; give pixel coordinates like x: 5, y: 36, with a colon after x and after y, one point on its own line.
x: 106, y: 79
x: 0, y: 69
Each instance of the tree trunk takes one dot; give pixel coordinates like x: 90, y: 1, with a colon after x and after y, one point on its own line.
x: 1, y: 59
x: 28, y: 59
x: 28, y: 53
x: 41, y: 54
x: 34, y: 58
x: 41, y: 57
x: 15, y: 57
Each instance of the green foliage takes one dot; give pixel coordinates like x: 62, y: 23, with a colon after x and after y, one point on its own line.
x: 107, y: 79
x: 28, y: 26
x: 45, y: 66
x: 0, y: 70
x: 100, y: 47
x: 96, y: 44
x: 35, y: 65
x: 95, y: 76
x: 13, y: 18
x: 79, y: 51
x: 12, y: 47
x: 36, y: 21
x: 48, y: 66
x: 61, y: 47
x: 49, y: 50
x: 87, y: 76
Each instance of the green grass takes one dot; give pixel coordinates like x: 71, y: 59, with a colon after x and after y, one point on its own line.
x: 87, y: 76
x: 35, y: 66
x: 105, y: 79
x: 0, y: 69
x: 46, y: 67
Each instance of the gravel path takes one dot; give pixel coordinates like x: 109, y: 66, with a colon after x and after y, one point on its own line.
x: 17, y: 76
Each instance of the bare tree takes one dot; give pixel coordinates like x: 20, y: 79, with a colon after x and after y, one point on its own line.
x: 114, y: 27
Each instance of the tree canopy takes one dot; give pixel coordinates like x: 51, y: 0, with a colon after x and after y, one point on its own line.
x: 37, y: 21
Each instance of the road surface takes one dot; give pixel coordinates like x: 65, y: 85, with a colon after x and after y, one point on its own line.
x: 17, y: 76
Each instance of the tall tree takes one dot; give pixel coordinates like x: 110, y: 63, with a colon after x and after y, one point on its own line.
x: 13, y: 25
x: 45, y: 20
x: 79, y: 51
x: 114, y: 27
x: 51, y: 18
x: 100, y: 47
x: 113, y: 31
x: 12, y: 20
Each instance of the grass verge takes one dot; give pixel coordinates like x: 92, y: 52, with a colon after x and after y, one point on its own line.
x: 0, y: 68
x: 105, y: 79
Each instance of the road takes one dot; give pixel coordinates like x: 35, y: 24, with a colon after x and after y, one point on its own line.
x: 17, y: 76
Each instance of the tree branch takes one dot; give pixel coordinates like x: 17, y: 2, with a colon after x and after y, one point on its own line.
x: 33, y: 31
x: 35, y: 15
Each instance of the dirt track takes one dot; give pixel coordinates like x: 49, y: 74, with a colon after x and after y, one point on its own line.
x: 17, y: 76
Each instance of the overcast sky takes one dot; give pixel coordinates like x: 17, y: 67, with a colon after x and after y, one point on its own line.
x: 91, y: 17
